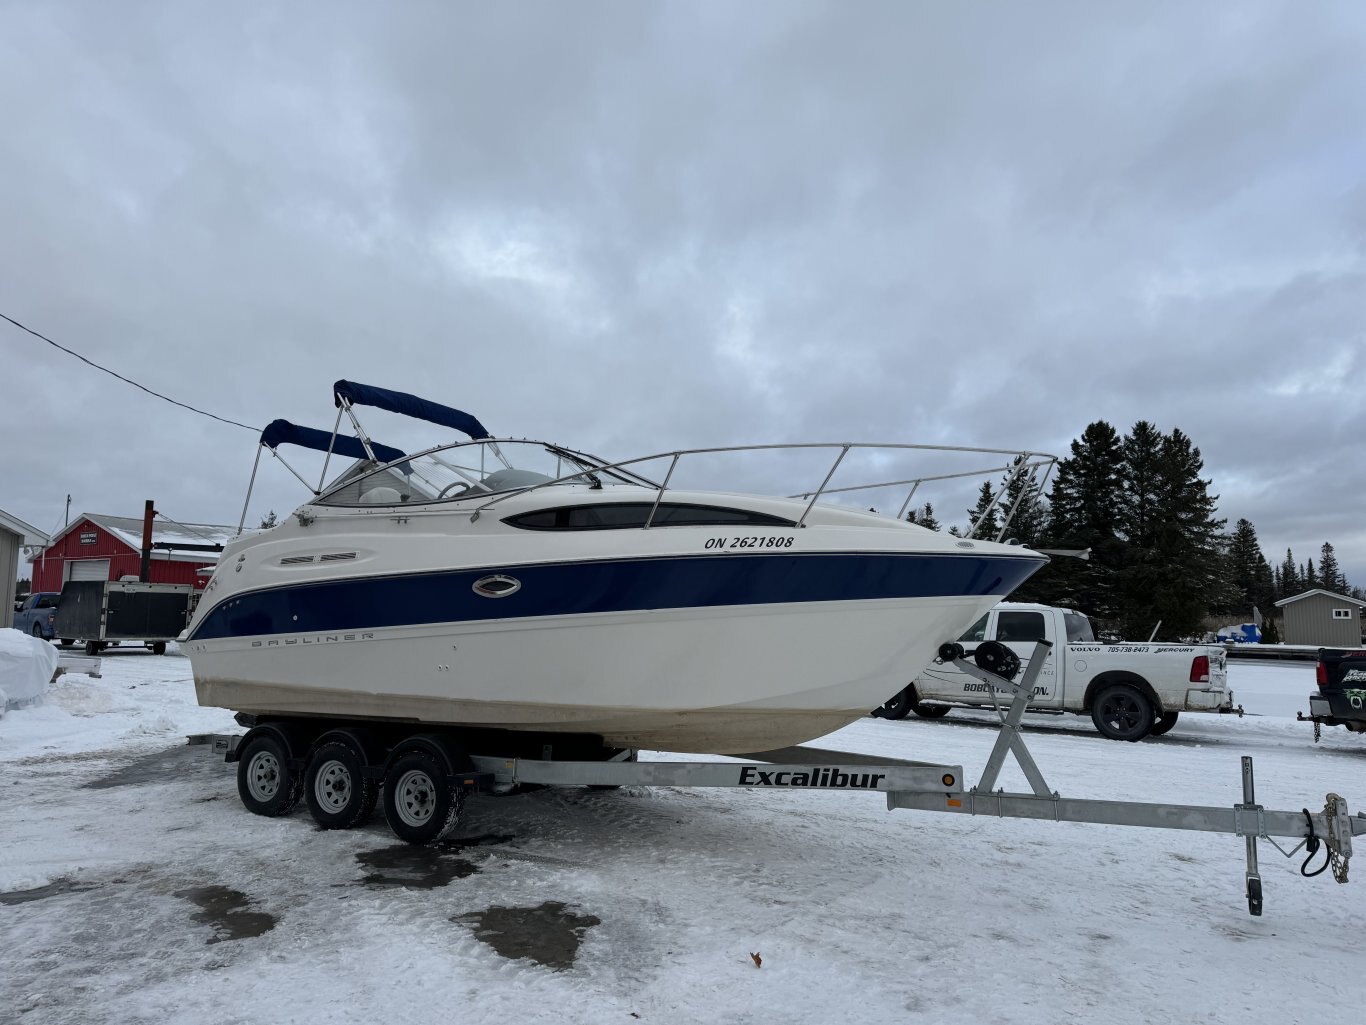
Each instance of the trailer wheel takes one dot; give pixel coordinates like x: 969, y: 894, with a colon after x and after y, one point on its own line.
x: 92, y: 647
x: 338, y: 793
x: 898, y: 706
x: 158, y: 647
x: 1120, y: 712
x: 420, y: 806
x: 68, y: 642
x: 265, y: 782
x: 1164, y: 723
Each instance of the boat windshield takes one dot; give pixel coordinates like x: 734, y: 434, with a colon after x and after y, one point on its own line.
x: 468, y: 469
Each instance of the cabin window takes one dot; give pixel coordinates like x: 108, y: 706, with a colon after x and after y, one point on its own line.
x: 1342, y: 613
x: 625, y: 515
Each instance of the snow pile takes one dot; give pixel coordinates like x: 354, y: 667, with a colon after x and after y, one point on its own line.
x: 26, y: 665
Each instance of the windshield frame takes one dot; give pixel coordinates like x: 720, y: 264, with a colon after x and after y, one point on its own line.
x: 589, y: 469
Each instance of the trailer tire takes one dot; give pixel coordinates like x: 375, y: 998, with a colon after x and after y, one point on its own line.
x: 1164, y: 723
x: 1121, y: 712
x: 265, y: 782
x: 898, y: 706
x: 338, y: 793
x: 68, y: 642
x: 92, y: 647
x: 420, y: 804
x: 158, y: 647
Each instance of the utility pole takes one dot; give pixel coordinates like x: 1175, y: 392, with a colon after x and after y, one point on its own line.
x: 66, y: 521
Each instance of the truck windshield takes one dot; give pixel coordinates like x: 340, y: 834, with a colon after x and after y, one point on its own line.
x: 978, y: 630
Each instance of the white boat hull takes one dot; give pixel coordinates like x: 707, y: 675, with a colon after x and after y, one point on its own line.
x: 721, y: 679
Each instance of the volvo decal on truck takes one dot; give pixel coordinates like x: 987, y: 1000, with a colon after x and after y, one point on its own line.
x: 1131, y: 691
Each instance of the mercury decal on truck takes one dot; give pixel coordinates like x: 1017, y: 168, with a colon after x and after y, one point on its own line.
x: 827, y: 778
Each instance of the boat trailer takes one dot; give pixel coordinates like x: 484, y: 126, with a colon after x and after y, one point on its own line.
x: 920, y: 785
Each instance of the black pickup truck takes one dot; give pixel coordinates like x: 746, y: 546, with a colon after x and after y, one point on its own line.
x: 1341, y: 697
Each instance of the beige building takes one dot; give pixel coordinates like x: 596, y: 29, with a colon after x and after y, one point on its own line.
x: 1322, y: 618
x: 14, y: 535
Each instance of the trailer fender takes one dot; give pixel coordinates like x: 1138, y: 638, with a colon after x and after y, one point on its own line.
x: 296, y: 748
x: 460, y: 769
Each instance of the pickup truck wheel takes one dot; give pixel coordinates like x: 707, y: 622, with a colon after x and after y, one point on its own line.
x: 1165, y: 722
x: 339, y: 795
x: 419, y: 805
x: 265, y: 782
x: 37, y: 631
x: 898, y: 706
x: 1121, y: 712
x: 928, y: 711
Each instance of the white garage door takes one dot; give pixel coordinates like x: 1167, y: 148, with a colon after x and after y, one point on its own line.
x: 86, y: 569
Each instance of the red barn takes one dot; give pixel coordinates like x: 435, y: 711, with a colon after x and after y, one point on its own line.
x: 98, y: 547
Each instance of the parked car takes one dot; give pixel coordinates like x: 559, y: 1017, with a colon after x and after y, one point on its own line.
x: 1131, y: 691
x: 1341, y: 697
x: 38, y: 614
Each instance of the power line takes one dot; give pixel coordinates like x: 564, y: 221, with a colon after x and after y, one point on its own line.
x: 125, y: 380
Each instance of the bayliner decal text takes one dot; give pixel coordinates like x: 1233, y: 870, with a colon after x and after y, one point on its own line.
x: 830, y: 777
x: 315, y: 639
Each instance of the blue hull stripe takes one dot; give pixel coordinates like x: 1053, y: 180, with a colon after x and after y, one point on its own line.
x: 628, y: 585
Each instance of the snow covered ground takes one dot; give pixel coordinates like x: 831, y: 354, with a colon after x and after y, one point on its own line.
x: 135, y: 888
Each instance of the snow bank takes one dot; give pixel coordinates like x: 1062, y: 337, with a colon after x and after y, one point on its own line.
x: 26, y: 666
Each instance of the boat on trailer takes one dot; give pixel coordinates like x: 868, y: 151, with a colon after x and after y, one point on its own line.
x: 525, y: 586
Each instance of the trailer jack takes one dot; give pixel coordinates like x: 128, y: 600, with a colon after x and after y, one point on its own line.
x: 1333, y: 828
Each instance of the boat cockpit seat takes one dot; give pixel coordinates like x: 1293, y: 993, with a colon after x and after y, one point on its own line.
x: 381, y: 496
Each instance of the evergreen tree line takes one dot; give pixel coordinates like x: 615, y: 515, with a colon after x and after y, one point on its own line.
x: 1160, y: 557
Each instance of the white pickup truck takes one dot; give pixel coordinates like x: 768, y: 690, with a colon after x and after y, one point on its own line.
x: 1131, y: 691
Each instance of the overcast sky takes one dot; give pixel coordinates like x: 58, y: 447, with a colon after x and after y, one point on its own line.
x: 631, y: 227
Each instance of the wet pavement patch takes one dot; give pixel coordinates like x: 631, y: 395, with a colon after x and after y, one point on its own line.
x: 160, y: 767
x: 53, y: 889
x: 420, y: 868
x: 224, y: 909
x: 549, y: 934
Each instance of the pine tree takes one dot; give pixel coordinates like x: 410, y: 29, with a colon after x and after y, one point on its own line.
x: 1249, y: 573
x: 1083, y: 512
x: 924, y: 516
x: 1023, y: 503
x: 269, y: 520
x: 1139, y: 574
x: 1332, y: 577
x: 984, y: 514
x: 1311, y: 579
x: 1172, y: 572
x: 1291, y: 578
